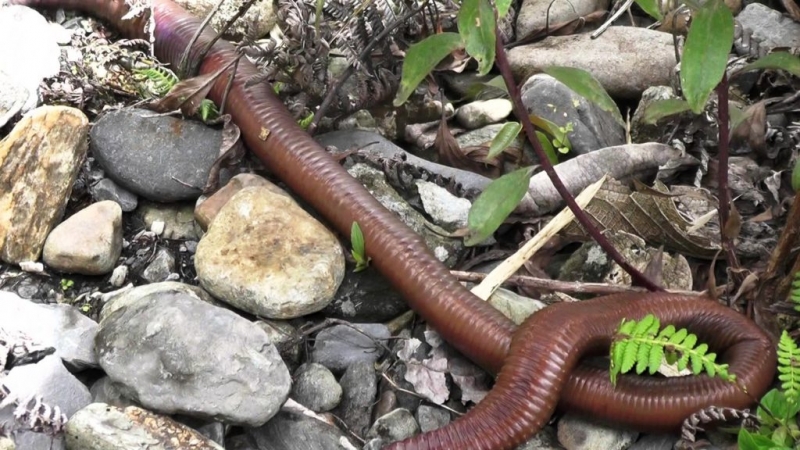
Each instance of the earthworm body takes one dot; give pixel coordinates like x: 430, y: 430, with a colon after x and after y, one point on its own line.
x: 538, y: 366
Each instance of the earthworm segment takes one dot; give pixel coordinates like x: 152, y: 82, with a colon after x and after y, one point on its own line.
x: 539, y: 367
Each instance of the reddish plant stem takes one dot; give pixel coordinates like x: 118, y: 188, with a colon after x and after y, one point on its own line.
x: 501, y: 60
x: 723, y: 151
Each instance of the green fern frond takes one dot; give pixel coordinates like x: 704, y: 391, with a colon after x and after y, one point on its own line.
x: 157, y: 81
x: 794, y: 295
x: 642, y: 345
x: 208, y: 110
x: 789, y: 367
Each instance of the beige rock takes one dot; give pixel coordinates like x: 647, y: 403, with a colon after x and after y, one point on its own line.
x: 205, y: 212
x: 535, y: 14
x: 39, y: 161
x: 265, y: 255
x: 625, y: 60
x: 177, y: 218
x: 89, y: 242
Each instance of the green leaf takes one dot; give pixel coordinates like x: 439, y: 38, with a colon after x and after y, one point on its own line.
x: 587, y: 86
x: 502, y: 8
x: 796, y: 176
x: 651, y: 8
x: 775, y: 402
x: 558, y: 133
x: 664, y: 108
x: 656, y: 355
x: 357, y: 239
x: 495, y: 203
x: 750, y: 441
x: 504, y: 138
x: 421, y: 59
x: 705, y: 54
x: 547, y: 147
x: 778, y: 60
x: 476, y: 27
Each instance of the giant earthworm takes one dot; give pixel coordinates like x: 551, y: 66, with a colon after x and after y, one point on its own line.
x: 540, y: 367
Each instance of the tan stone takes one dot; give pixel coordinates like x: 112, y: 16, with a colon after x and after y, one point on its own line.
x: 625, y: 60
x: 205, y: 212
x: 39, y: 161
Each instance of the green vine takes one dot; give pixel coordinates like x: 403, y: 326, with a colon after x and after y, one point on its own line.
x: 645, y: 345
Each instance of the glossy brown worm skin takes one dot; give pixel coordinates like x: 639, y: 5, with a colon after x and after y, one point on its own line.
x: 537, y: 370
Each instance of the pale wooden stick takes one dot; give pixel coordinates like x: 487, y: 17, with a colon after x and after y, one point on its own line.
x: 510, y: 266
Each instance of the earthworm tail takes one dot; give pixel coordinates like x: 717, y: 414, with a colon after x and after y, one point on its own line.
x: 541, y: 370
x: 548, y: 346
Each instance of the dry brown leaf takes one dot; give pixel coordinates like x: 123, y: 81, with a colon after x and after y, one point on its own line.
x: 792, y: 9
x: 187, y: 95
x: 231, y: 153
x: 654, y: 271
x: 650, y: 214
x: 734, y: 224
x: 451, y: 154
x: 753, y: 129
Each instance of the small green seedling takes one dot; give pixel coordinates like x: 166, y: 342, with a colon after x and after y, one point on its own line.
x: 359, y: 250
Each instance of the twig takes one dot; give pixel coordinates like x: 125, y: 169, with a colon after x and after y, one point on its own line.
x: 722, y: 180
x: 602, y: 29
x: 182, y: 72
x: 519, y: 110
x: 511, y: 264
x: 394, y: 385
x: 569, y: 287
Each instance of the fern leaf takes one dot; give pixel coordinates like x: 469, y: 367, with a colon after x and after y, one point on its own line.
x: 654, y: 360
x: 629, y: 356
x: 789, y: 367
x: 679, y: 336
x: 643, y: 356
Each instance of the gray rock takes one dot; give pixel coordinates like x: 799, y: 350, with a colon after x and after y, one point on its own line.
x: 173, y: 353
x: 592, y: 127
x: 577, y: 433
x: 12, y: 98
x: 770, y: 27
x: 285, y: 337
x: 655, y: 442
x: 447, y: 250
x: 545, y: 439
x: 56, y: 386
x: 359, y: 389
x: 395, y: 426
x: 162, y: 265
x: 104, y: 427
x: 431, y: 418
x: 106, y: 189
x: 30, y: 52
x: 161, y: 158
x: 153, y: 290
x: 340, y: 346
x: 105, y: 391
x: 62, y: 327
x: 377, y: 145
x: 316, y: 388
x: 625, y: 60
x: 446, y: 210
x: 289, y: 431
x: 366, y: 296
